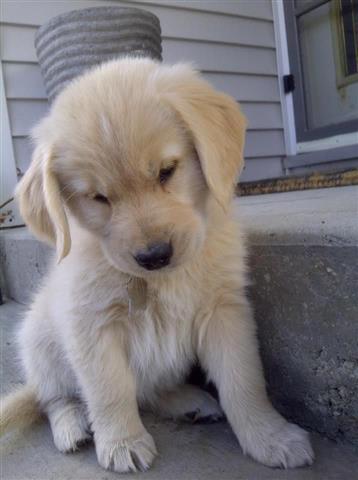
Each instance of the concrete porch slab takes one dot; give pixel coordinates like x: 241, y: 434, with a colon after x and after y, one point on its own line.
x: 186, y: 452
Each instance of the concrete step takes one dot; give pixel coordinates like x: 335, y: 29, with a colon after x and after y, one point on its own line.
x: 303, y: 254
x: 304, y: 260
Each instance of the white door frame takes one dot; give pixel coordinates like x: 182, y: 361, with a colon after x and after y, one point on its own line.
x: 8, y: 175
x: 283, y: 68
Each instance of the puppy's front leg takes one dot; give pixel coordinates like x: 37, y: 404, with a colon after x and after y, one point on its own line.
x: 229, y: 351
x: 122, y: 443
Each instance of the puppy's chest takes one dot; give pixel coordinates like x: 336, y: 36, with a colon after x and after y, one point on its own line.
x: 162, y: 339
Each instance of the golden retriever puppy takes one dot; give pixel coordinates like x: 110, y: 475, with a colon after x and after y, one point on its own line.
x: 132, y: 180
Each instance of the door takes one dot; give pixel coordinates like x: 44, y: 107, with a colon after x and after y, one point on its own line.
x: 323, y: 52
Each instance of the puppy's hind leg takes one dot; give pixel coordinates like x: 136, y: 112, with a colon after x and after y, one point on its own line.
x: 51, y: 378
x: 188, y: 403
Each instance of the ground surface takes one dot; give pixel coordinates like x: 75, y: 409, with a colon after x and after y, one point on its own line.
x: 186, y: 452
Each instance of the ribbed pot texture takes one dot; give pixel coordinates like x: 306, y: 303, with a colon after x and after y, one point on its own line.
x: 73, y: 42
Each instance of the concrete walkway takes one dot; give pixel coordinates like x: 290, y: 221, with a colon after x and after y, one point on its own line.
x: 186, y: 452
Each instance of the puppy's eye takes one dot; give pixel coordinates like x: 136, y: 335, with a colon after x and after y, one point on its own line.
x: 166, y: 173
x: 100, y: 198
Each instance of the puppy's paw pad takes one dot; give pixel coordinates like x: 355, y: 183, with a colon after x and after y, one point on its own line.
x: 290, y: 447
x: 130, y: 455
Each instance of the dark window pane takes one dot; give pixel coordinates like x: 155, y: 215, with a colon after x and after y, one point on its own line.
x: 349, y: 21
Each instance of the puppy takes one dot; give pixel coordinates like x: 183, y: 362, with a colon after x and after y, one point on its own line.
x: 132, y: 180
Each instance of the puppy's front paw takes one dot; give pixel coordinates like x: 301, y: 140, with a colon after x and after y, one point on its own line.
x: 127, y: 455
x: 287, y: 447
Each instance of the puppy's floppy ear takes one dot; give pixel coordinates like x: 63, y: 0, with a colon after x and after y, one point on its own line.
x: 40, y: 202
x: 218, y: 129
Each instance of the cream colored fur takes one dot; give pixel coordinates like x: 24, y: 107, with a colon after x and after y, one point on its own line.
x: 105, y: 337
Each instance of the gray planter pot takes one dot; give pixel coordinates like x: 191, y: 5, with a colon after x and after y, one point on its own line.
x: 73, y: 42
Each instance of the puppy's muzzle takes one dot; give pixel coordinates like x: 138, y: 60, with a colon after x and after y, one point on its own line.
x: 155, y: 256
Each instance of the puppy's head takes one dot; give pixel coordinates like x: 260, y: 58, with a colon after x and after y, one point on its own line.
x: 138, y: 154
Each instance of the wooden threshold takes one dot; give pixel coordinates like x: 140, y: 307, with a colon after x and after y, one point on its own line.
x: 289, y: 184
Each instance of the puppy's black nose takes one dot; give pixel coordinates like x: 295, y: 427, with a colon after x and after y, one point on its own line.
x: 156, y: 256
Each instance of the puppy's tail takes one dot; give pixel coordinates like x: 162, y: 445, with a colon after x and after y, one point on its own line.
x: 18, y: 409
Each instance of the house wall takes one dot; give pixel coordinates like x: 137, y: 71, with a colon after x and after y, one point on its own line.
x: 232, y: 43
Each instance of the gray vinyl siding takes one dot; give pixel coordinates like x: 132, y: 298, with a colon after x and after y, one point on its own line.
x: 231, y: 42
